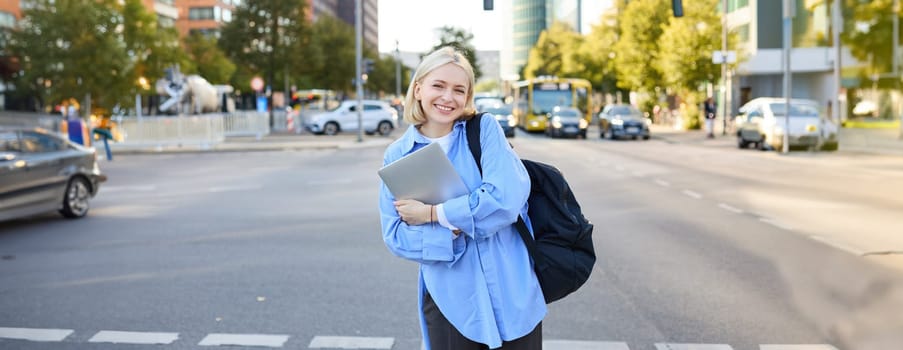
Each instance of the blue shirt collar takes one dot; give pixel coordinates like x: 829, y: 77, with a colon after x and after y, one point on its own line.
x: 413, y: 139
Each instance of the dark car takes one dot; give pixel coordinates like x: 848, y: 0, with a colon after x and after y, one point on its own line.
x: 504, y: 116
x: 622, y: 120
x: 566, y: 122
x: 40, y: 171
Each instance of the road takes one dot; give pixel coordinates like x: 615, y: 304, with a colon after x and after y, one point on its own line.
x: 718, y: 247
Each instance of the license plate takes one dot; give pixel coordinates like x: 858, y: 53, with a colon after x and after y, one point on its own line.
x: 633, y: 129
x: 570, y: 129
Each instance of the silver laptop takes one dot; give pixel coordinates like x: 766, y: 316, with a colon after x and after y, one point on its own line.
x: 425, y: 175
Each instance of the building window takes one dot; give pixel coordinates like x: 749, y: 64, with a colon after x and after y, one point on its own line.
x: 742, y: 33
x: 734, y: 5
x: 202, y: 13
x: 165, y: 22
x: 7, y: 20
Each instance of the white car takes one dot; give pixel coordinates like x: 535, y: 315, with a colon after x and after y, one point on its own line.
x: 378, y: 117
x: 762, y: 123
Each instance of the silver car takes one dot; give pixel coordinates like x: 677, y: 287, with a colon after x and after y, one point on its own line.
x: 40, y: 172
x: 377, y: 117
x: 762, y: 123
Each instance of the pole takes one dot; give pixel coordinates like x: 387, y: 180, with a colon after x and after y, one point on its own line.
x: 138, y: 105
x: 896, y: 43
x: 397, y: 71
x: 789, y: 7
x: 724, y: 106
x: 359, y: 33
x: 836, y: 27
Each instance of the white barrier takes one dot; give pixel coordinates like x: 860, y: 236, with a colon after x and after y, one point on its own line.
x: 246, y: 123
x: 203, y: 130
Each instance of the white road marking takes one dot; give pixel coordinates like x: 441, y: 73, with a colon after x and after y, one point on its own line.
x: 34, y: 334
x: 619, y: 168
x: 234, y: 188
x: 217, y: 339
x: 639, y: 174
x: 776, y: 223
x: 118, y: 337
x: 663, y: 183
x: 692, y: 194
x: 796, y: 347
x: 672, y: 346
x: 838, y: 245
x: 328, y: 342
x: 582, y: 345
x: 730, y: 208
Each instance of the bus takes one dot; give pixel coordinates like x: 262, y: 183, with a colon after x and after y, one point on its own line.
x: 534, y: 99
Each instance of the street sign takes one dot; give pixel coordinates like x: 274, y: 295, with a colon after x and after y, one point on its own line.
x: 719, y: 57
x: 257, y: 83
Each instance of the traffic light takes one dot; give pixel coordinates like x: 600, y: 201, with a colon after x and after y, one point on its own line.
x: 368, y: 66
x: 677, y: 7
x: 487, y: 5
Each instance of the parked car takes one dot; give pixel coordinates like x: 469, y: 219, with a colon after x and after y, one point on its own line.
x: 504, y: 116
x: 623, y: 120
x: 484, y: 100
x: 566, y: 122
x: 40, y: 171
x: 378, y: 117
x: 762, y: 121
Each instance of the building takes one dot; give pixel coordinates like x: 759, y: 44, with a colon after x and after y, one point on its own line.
x: 196, y: 16
x: 527, y: 19
x: 9, y: 16
x: 759, y: 25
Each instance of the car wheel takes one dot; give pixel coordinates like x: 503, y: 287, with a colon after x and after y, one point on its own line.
x: 829, y: 146
x: 646, y: 137
x: 76, y: 199
x: 611, y: 134
x: 384, y: 128
x: 741, y: 143
x: 331, y: 128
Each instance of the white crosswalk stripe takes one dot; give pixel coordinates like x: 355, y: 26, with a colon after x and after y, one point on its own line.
x: 268, y: 340
x: 796, y: 347
x: 119, y: 337
x: 332, y: 342
x: 34, y: 334
x: 674, y: 346
x: 582, y: 345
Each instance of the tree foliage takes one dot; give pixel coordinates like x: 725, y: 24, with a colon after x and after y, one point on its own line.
x: 462, y: 41
x: 209, y: 61
x: 269, y: 37
x: 686, y: 46
x: 641, y: 23
x: 555, y: 53
x: 867, y: 30
x: 597, y: 55
x: 336, y: 42
x: 70, y: 49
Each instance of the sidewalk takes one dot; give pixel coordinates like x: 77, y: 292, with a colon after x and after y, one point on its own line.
x: 272, y: 142
x: 865, y: 141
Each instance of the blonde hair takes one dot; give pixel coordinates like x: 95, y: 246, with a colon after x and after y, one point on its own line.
x: 413, y: 112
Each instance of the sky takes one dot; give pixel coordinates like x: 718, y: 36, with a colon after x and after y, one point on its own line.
x: 414, y: 23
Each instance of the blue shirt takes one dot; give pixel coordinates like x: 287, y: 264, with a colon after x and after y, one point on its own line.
x: 483, y: 280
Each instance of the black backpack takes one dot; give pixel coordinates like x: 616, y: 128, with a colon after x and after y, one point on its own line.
x: 562, y: 251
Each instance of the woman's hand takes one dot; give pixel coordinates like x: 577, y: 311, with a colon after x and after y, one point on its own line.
x: 414, y: 212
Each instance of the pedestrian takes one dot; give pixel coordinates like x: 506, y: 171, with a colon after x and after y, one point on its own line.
x: 710, y: 111
x: 477, y: 288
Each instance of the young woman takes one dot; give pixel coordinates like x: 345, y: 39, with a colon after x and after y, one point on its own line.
x: 477, y: 285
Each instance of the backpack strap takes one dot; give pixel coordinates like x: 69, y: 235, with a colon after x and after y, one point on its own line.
x: 472, y: 128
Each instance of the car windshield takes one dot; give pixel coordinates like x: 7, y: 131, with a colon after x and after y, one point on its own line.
x: 568, y: 113
x: 796, y: 110
x: 545, y: 100
x: 498, y: 110
x: 623, y: 110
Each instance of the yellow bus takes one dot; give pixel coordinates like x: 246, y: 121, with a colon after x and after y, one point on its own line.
x: 535, y: 98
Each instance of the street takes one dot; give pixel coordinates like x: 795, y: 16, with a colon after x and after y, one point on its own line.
x: 707, y: 248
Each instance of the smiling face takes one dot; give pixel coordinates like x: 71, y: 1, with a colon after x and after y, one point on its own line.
x: 443, y: 95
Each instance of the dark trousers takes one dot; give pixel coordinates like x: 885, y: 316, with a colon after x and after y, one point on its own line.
x: 444, y: 336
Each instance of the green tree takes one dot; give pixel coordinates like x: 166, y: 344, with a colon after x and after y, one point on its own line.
x: 269, y: 37
x: 210, y: 62
x: 868, y: 30
x: 73, y: 49
x: 686, y: 46
x: 642, y: 23
x: 335, y: 42
x: 150, y: 47
x: 555, y: 53
x: 462, y: 41
x: 597, y: 53
x: 382, y: 79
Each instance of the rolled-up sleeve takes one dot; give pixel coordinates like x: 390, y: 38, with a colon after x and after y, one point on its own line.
x: 501, y: 195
